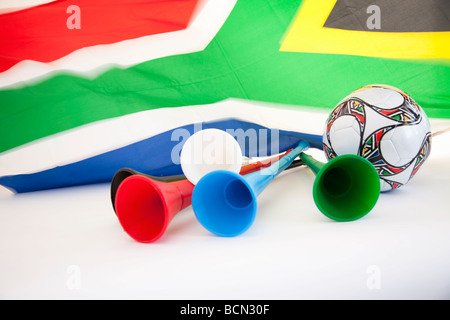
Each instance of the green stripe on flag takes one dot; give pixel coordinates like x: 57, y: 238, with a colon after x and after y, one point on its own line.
x: 242, y: 61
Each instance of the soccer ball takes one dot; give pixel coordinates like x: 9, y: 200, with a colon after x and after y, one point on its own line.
x: 384, y: 125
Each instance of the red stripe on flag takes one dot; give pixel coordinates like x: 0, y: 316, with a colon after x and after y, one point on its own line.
x: 48, y: 32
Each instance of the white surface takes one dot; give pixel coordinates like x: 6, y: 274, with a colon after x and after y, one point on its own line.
x: 67, y: 244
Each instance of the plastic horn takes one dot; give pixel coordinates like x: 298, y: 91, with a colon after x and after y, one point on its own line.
x: 346, y: 188
x: 225, y: 203
x: 124, y: 173
x: 145, y: 206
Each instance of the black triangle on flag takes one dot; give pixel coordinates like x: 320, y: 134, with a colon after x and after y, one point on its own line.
x: 394, y: 16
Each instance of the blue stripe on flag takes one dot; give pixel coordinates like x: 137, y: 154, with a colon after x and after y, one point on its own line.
x: 150, y: 156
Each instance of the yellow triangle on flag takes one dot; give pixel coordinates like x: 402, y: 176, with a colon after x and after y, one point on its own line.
x: 308, y: 34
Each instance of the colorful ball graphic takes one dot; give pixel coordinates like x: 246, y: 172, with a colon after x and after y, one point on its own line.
x: 384, y: 125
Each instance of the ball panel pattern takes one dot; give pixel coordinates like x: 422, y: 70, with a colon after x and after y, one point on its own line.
x: 394, y: 132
